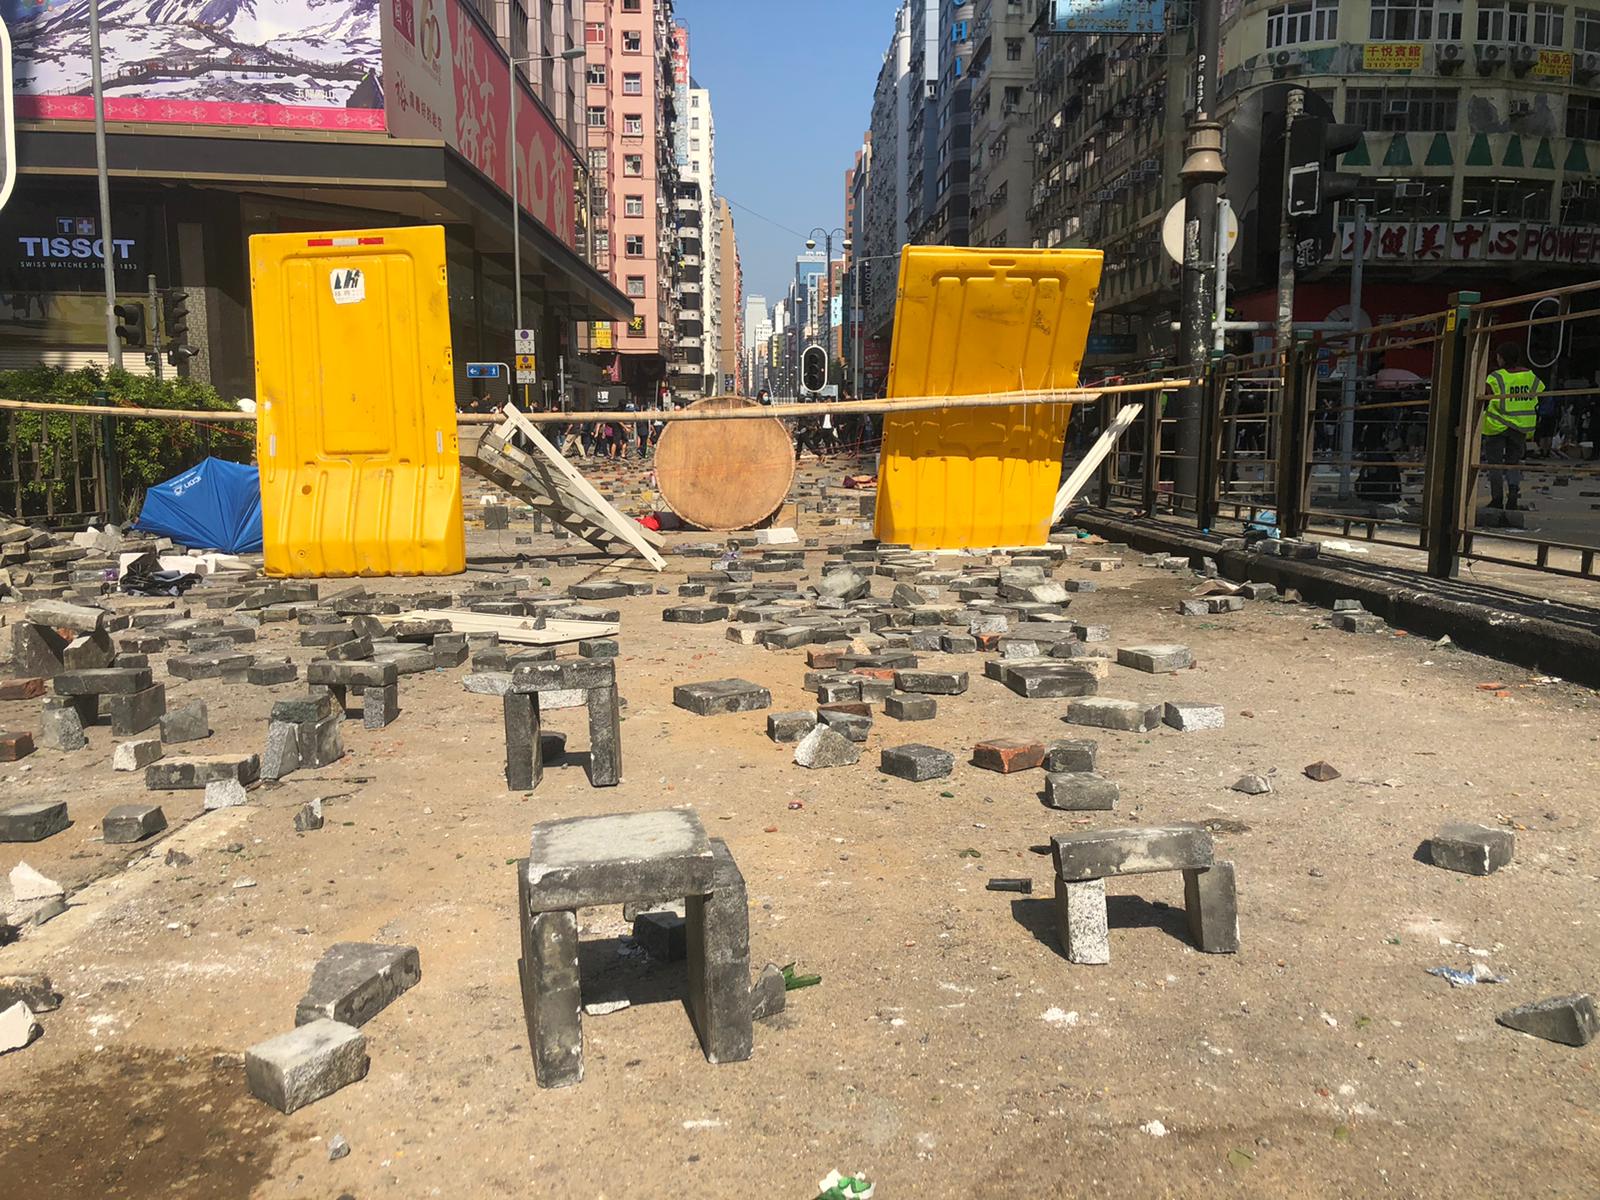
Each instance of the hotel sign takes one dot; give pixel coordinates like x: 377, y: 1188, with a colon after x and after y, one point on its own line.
x: 1391, y: 56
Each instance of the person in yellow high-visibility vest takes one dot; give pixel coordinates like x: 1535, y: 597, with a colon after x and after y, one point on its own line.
x: 1509, y: 421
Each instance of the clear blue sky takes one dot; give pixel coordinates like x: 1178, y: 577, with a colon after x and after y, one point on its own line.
x: 791, y: 88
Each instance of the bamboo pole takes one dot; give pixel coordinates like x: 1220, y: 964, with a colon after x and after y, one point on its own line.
x: 753, y: 413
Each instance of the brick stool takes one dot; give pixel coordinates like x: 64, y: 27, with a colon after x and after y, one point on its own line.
x: 646, y: 856
x: 597, y: 680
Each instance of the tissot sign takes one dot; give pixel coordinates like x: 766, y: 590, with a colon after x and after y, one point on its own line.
x: 73, y: 244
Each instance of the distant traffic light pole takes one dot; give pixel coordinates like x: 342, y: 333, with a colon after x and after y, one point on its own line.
x: 1202, y: 172
x: 113, y: 345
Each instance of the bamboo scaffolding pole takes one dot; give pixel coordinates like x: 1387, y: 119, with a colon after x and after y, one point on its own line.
x: 755, y: 413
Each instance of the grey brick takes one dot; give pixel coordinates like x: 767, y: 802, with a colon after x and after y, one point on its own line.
x: 664, y: 935
x: 224, y: 793
x: 718, y: 949
x: 136, y: 712
x: 1038, y: 681
x: 189, y: 723
x: 1159, y: 659
x: 1071, y: 755
x: 106, y: 681
x: 132, y: 823
x: 33, y: 820
x: 916, y: 763
x: 853, y: 725
x: 1570, y: 1020
x: 1471, y: 849
x: 208, y: 666
x: 1080, y: 791
x: 932, y: 683
x: 1081, y: 921
x: 786, y: 727
x: 135, y: 755
x: 721, y: 696
x: 194, y: 773
x: 355, y: 981
x: 282, y: 755
x: 299, y: 1068
x: 61, y: 728
x: 1186, y: 716
x: 768, y: 994
x: 911, y: 708
x: 380, y: 706
x: 583, y: 861
x: 268, y: 673
x: 1212, y: 907
x: 1102, y: 853
x: 321, y: 742
x: 695, y: 614
x: 1102, y: 712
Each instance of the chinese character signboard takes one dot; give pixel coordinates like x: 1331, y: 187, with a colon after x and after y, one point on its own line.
x: 600, y: 335
x: 1109, y: 16
x: 1391, y: 56
x: 1554, y: 64
x: 1474, y: 241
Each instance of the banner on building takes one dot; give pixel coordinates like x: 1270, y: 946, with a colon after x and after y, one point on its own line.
x: 1108, y: 16
x: 600, y: 335
x: 1391, y: 56
x: 1554, y: 64
x: 297, y: 64
x: 1473, y: 241
x: 447, y: 79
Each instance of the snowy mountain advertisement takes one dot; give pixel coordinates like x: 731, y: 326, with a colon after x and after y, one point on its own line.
x: 447, y: 79
x: 304, y: 64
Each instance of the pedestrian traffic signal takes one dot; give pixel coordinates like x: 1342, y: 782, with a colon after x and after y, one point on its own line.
x: 814, y: 369
x: 131, y: 326
x: 1316, y: 143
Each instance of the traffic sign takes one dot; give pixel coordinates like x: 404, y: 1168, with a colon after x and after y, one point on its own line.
x: 483, y: 370
x: 525, y: 341
x: 1172, y: 232
x: 525, y: 368
x: 8, y: 119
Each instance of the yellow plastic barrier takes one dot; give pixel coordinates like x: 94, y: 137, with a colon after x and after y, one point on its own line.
x: 980, y: 322
x: 360, y: 462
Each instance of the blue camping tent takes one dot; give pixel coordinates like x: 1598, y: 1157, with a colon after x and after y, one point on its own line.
x: 214, y: 506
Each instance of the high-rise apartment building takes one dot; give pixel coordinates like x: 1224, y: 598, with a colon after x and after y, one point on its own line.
x: 630, y: 118
x: 1001, y: 79
x: 730, y: 310
x: 882, y: 212
x: 696, y: 367
x: 947, y: 220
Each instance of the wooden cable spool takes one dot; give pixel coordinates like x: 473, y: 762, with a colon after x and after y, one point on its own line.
x: 724, y: 475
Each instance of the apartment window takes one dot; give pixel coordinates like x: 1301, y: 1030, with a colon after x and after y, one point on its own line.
x: 636, y: 286
x: 594, y: 33
x: 1586, y: 29
x: 1012, y: 99
x: 958, y: 32
x: 630, y: 5
x: 1419, y: 110
x: 632, y: 42
x: 1539, y: 24
x: 632, y: 83
x: 694, y: 101
x: 1404, y: 199
x: 1402, y: 20
x: 694, y: 122
x: 633, y: 206
x: 1303, y: 21
x: 597, y: 116
x: 633, y: 124
x: 633, y: 245
x: 694, y: 144
x: 598, y: 159
x: 1013, y: 49
x: 597, y: 76
x: 633, y: 164
x: 1583, y: 117
x: 1523, y: 199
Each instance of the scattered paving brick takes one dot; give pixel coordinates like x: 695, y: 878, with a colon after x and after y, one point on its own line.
x: 721, y: 696
x: 187, y: 724
x: 306, y: 1064
x: 61, y: 726
x: 1321, y: 772
x: 855, y: 726
x: 135, y: 755
x: 1007, y: 755
x: 664, y: 935
x: 931, y: 683
x: 128, y: 823
x: 1071, y: 755
x: 695, y: 614
x: 1570, y: 1020
x: 1193, y: 608
x: 33, y: 820
x: 1187, y: 716
x: 1471, y: 849
x: 15, y: 746
x: 1102, y: 712
x: 768, y: 994
x: 265, y: 674
x: 22, y: 689
x: 916, y: 763
x: 1050, y: 680
x: 1155, y: 659
x: 1252, y: 785
x: 1080, y: 791
x: 174, y: 774
x: 355, y: 981
x: 911, y: 708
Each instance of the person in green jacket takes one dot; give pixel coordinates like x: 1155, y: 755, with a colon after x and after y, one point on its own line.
x: 1509, y: 420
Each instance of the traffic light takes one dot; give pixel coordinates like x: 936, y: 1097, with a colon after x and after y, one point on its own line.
x: 1256, y: 154
x: 175, y: 323
x: 814, y: 369
x: 131, y: 325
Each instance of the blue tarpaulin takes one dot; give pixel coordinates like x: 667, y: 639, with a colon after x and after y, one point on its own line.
x: 214, y: 506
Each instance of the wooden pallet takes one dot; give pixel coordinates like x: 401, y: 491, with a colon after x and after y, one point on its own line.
x: 534, y: 471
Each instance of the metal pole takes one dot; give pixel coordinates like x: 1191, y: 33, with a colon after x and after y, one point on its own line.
x: 153, y: 326
x: 516, y: 207
x: 1347, y: 403
x: 1295, y: 105
x: 1219, y: 325
x: 1202, y: 172
x: 113, y: 343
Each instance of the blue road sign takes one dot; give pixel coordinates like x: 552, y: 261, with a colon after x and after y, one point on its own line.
x: 483, y: 370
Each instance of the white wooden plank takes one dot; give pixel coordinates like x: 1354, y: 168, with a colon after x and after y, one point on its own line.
x: 1091, y: 463
x: 516, y: 631
x: 628, y: 529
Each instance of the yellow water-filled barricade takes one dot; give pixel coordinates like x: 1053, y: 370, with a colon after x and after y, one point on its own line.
x: 356, y: 419
x: 981, y: 323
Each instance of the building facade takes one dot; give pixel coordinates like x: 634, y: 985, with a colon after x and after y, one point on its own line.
x: 696, y: 367
x: 730, y: 307
x: 1001, y: 165
x: 392, y: 125
x: 631, y: 117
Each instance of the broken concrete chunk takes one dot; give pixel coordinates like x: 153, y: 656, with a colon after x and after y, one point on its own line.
x: 135, y: 755
x: 1570, y: 1020
x: 225, y: 793
x: 1252, y: 785
x: 1321, y: 772
x: 17, y: 1027
x: 302, y: 1066
x: 29, y: 884
x: 1189, y: 717
x: 825, y: 747
x: 355, y: 981
x: 768, y: 994
x: 1471, y: 849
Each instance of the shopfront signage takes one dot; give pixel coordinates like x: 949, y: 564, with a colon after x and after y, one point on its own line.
x: 1473, y: 241
x: 1391, y: 56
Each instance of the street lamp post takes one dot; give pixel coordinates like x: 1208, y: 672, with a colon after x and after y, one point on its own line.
x: 827, y: 236
x: 512, y: 63
x: 113, y: 343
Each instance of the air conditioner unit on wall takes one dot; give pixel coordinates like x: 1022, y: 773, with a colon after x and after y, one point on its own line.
x: 1489, y: 55
x: 1449, y: 56
x: 1523, y: 57
x: 1397, y: 108
x: 1586, y: 65
x: 1286, y: 60
x: 1519, y: 108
